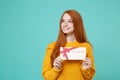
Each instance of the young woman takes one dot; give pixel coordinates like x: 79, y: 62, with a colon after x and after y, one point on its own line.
x: 71, y: 34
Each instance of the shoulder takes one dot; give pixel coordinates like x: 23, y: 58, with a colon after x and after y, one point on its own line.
x: 51, y: 45
x: 89, y: 49
x: 87, y: 45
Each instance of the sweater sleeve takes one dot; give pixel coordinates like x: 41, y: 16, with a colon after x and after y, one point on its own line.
x: 48, y: 72
x: 89, y: 73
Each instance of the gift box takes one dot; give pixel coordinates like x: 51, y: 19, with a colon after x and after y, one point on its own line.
x: 72, y: 53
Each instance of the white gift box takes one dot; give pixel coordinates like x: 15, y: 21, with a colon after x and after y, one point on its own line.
x: 72, y: 53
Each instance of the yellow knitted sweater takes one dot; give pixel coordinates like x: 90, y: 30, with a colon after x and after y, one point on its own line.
x: 71, y: 69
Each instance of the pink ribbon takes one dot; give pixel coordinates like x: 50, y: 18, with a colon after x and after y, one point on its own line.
x: 65, y: 50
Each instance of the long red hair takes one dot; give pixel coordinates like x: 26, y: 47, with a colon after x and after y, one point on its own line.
x: 78, y: 31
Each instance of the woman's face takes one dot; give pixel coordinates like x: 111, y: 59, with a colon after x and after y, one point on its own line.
x: 67, y: 24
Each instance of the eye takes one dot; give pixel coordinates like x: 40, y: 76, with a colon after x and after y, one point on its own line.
x: 70, y: 21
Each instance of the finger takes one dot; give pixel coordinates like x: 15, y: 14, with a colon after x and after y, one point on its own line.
x: 59, y: 59
x: 87, y: 60
x: 89, y: 66
x: 57, y: 66
x: 58, y: 63
x: 86, y: 64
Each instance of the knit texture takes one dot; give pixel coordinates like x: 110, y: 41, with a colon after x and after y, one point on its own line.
x: 71, y: 69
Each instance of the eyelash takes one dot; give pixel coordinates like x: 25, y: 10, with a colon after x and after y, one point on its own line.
x: 67, y: 21
x: 70, y: 21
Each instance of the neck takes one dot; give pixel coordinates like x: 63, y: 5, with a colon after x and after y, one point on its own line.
x: 71, y: 38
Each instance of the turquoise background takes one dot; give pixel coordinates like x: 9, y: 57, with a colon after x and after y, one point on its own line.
x: 28, y: 26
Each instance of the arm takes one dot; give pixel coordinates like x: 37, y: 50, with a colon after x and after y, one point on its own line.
x: 49, y: 72
x: 88, y: 71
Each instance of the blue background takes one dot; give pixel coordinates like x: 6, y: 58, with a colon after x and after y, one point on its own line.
x: 28, y: 26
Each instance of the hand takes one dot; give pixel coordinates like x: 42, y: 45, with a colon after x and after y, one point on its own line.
x: 57, y: 63
x: 86, y: 63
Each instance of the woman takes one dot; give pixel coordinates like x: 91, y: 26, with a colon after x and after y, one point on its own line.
x: 71, y: 34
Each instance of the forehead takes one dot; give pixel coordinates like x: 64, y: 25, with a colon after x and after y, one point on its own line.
x: 66, y: 16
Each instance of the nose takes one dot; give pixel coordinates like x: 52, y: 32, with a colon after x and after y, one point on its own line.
x: 65, y: 23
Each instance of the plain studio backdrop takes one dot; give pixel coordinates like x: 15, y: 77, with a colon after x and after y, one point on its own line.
x: 28, y: 26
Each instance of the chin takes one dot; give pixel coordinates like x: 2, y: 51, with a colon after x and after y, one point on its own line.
x: 65, y: 32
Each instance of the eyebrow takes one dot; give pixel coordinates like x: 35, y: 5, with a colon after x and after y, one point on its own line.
x: 67, y: 19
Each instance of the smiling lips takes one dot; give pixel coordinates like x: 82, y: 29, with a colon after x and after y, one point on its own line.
x: 66, y: 28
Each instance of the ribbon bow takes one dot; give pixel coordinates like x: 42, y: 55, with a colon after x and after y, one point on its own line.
x: 65, y: 50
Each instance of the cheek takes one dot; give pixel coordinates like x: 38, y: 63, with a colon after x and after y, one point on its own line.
x: 61, y: 27
x: 72, y: 27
